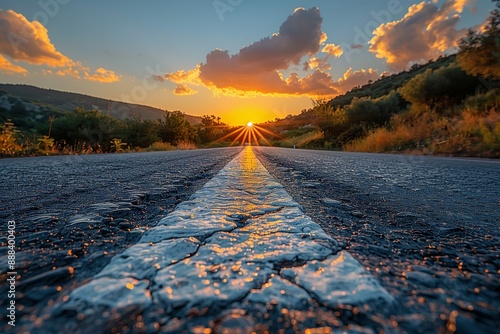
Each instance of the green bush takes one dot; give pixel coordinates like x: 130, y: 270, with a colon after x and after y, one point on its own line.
x: 91, y: 129
x: 439, y: 89
x: 174, y: 128
x: 139, y: 133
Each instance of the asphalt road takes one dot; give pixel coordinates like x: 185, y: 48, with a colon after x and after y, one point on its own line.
x: 426, y: 227
x: 74, y: 213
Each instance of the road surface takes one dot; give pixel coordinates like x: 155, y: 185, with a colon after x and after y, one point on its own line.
x: 426, y: 227
x: 425, y: 231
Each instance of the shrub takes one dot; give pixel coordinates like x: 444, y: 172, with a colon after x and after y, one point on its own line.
x: 46, y: 144
x: 91, y: 128
x: 117, y: 145
x: 383, y: 140
x: 483, y: 104
x: 439, y: 89
x: 9, y: 145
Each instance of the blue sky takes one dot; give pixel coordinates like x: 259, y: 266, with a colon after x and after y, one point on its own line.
x: 116, y: 47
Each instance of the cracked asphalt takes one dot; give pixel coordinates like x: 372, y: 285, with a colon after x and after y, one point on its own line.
x: 425, y: 231
x: 426, y: 227
x: 74, y: 213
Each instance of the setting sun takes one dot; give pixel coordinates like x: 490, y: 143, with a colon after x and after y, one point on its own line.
x: 249, y: 124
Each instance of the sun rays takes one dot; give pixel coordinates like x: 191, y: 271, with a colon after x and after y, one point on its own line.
x: 251, y: 134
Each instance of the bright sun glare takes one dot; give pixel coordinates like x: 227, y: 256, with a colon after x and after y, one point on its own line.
x: 251, y: 134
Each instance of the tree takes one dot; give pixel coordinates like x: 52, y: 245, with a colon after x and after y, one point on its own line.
x: 331, y: 122
x: 140, y: 133
x: 91, y: 128
x: 439, y: 89
x: 174, y: 128
x: 480, y: 51
x: 370, y: 112
x: 211, y: 129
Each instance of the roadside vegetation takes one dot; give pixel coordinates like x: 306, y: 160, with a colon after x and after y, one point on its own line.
x: 450, y: 106
x: 91, y: 131
x: 452, y: 110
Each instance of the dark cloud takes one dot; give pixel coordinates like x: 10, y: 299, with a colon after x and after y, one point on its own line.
x: 158, y: 78
x: 298, y: 36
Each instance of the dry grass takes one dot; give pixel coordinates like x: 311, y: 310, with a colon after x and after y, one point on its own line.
x: 186, y: 145
x: 308, y: 137
x: 472, y: 133
x: 161, y: 146
x: 382, y: 140
x: 406, y: 132
x: 299, y: 141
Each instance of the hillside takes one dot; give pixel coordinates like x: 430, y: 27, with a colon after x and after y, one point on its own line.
x: 441, y: 107
x: 25, y: 105
x: 386, y: 84
x: 376, y: 89
x: 302, y: 129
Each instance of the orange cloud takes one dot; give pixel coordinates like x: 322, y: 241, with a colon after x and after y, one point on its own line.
x: 191, y: 76
x: 7, y: 67
x: 321, y: 63
x: 333, y: 50
x: 102, y: 75
x: 318, y: 63
x: 79, y: 71
x: 425, y: 32
x: 257, y: 68
x: 357, y: 78
x: 184, y: 90
x: 68, y: 71
x: 22, y: 40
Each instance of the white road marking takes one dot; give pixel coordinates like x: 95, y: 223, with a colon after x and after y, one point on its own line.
x: 240, y: 239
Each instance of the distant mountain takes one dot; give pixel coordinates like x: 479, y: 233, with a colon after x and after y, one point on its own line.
x: 27, y: 104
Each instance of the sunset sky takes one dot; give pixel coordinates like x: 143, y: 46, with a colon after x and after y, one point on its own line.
x: 242, y: 60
